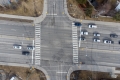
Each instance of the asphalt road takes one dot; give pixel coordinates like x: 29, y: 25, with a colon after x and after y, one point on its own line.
x: 56, y: 30
x: 56, y: 41
x: 99, y: 52
x: 15, y: 33
x: 57, y: 47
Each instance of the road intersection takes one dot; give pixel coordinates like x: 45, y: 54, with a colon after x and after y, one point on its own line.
x: 56, y: 40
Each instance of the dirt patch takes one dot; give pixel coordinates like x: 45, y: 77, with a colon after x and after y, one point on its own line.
x: 32, y: 8
x: 74, y: 10
x: 24, y: 73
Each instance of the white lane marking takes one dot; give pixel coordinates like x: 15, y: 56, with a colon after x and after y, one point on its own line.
x: 61, y: 72
x: 13, y: 29
x: 52, y: 14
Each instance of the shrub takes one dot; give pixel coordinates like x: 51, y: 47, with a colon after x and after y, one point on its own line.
x: 117, y: 16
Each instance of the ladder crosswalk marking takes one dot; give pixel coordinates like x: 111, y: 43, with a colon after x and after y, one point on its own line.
x: 37, y: 44
x: 75, y: 44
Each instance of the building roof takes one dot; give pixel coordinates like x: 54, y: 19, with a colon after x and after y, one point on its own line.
x: 118, y: 7
x: 4, y: 2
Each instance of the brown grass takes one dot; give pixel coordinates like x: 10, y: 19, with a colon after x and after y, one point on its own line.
x: 86, y: 75
x: 22, y: 72
x: 26, y: 8
x: 77, y: 12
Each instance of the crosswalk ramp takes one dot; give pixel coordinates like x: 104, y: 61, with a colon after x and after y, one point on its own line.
x: 75, y: 44
x: 37, y: 44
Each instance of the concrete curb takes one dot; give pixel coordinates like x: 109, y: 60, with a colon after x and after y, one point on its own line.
x: 86, y: 21
x: 66, y: 12
x: 42, y: 17
x: 90, y: 68
x: 27, y: 65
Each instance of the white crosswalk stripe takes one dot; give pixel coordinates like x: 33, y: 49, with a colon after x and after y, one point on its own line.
x: 75, y: 44
x: 37, y: 44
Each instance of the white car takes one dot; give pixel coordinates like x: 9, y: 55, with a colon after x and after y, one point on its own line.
x: 92, y: 26
x: 84, y: 33
x: 17, y: 46
x: 96, y: 34
x: 108, y: 41
x: 96, y: 40
x: 30, y: 47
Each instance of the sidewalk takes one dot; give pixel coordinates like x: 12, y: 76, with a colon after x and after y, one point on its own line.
x: 35, y: 19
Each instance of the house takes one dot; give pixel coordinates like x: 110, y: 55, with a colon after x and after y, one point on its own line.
x: 6, y: 2
x: 118, y: 6
x: 14, y: 78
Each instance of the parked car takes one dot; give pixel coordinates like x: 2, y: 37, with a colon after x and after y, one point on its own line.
x: 106, y: 41
x: 96, y: 40
x: 25, y: 52
x: 113, y: 35
x: 30, y: 47
x: 92, y: 26
x: 96, y: 34
x: 76, y: 24
x: 17, y: 46
x: 84, y: 33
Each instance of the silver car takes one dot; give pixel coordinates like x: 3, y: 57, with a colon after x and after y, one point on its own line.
x: 96, y: 34
x: 30, y: 47
x: 96, y: 40
x: 84, y: 33
x: 108, y: 41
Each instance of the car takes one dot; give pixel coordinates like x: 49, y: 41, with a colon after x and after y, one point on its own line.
x: 83, y: 38
x: 25, y: 52
x: 84, y: 33
x: 106, y: 41
x: 92, y: 26
x: 96, y: 34
x: 113, y: 35
x: 30, y: 47
x: 76, y: 24
x: 96, y: 40
x: 118, y: 42
x: 17, y: 46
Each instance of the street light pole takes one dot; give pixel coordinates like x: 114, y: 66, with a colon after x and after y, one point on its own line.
x: 80, y: 37
x: 86, y: 51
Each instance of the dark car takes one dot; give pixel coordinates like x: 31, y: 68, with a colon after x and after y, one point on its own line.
x: 118, y: 42
x: 113, y: 35
x: 83, y: 38
x: 76, y: 23
x: 25, y: 52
